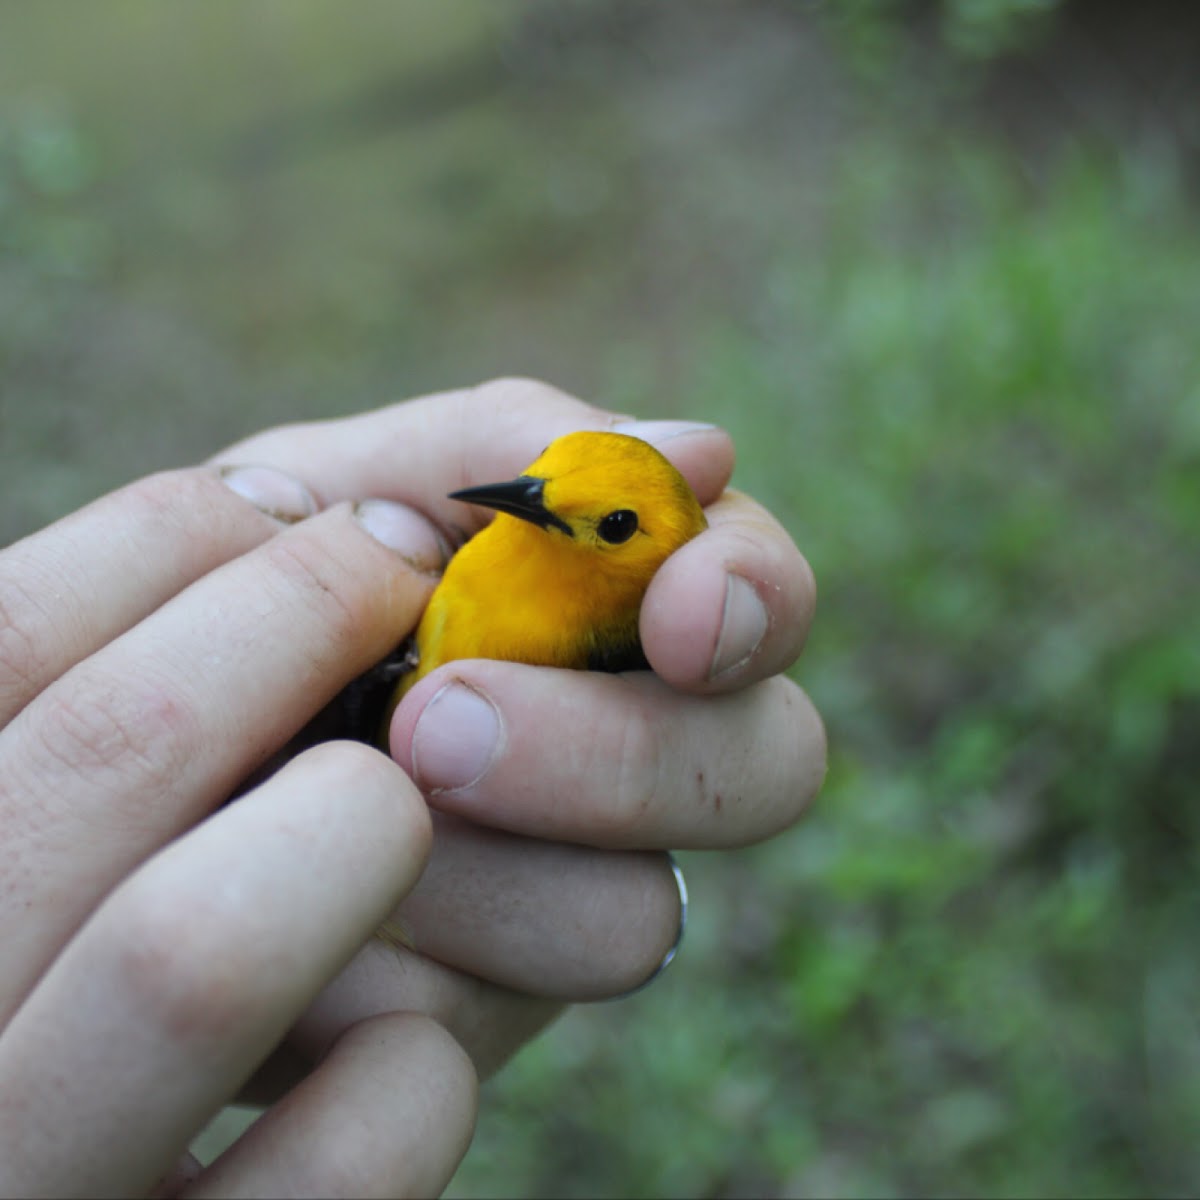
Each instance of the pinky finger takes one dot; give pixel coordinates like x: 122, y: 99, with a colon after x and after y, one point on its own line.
x: 389, y: 1112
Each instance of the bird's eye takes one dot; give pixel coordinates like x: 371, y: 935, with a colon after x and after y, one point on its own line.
x: 618, y: 526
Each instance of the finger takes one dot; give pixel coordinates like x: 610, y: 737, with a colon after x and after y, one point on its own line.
x: 732, y: 606
x: 134, y: 744
x: 76, y: 585
x: 420, y: 450
x: 184, y: 1171
x: 193, y: 969
x: 390, y: 1112
x: 620, y: 761
x: 545, y: 918
x: 490, y: 1022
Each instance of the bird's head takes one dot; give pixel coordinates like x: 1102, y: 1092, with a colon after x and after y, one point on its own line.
x: 608, y: 494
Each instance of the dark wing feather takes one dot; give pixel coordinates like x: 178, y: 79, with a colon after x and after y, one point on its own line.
x: 625, y: 657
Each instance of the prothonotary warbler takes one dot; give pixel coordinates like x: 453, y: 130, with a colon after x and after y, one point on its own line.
x: 557, y: 578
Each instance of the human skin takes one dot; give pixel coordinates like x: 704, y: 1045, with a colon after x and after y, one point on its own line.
x: 162, y: 954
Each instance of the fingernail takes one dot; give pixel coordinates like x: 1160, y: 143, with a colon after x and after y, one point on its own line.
x: 743, y: 626
x: 456, y: 739
x: 658, y: 432
x: 404, y: 530
x: 272, y: 491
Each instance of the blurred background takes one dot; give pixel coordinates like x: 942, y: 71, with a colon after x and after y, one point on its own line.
x: 937, y: 267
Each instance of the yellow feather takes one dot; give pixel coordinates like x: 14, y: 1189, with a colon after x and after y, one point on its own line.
x: 525, y: 589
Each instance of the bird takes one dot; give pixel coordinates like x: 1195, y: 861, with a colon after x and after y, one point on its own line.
x: 557, y: 577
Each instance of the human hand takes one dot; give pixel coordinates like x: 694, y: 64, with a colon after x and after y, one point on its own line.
x: 159, y: 645
x: 716, y: 749
x: 154, y: 647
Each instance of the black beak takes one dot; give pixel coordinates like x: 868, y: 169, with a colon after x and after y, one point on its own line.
x: 520, y: 497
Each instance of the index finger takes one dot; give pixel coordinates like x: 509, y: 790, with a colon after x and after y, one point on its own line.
x: 139, y: 740
x: 419, y: 450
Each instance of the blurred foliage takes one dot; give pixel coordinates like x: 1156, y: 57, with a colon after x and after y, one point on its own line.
x: 974, y: 970
x: 965, y: 375
x: 45, y: 162
x: 874, y: 30
x: 999, y: 496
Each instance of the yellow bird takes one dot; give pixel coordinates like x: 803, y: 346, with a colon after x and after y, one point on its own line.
x: 557, y: 578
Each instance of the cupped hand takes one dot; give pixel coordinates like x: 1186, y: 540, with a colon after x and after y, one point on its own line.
x: 161, y: 952
x: 557, y: 791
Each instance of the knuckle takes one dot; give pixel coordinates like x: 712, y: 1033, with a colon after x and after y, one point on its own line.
x: 24, y: 664
x: 375, y: 1158
x: 516, y: 399
x: 427, y: 1040
x: 357, y: 766
x: 161, y: 490
x: 136, y: 727
x: 361, y: 771
x: 181, y: 971
x: 454, y: 1065
x: 637, y: 759
x: 305, y: 571
x: 349, y: 1162
x: 178, y: 496
x: 510, y: 391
